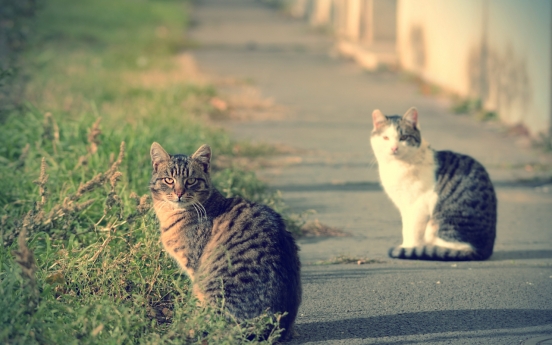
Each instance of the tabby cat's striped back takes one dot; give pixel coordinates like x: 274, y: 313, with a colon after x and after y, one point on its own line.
x: 466, y: 201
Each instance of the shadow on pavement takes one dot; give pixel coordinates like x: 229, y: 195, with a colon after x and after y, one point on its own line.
x: 529, y: 183
x: 428, y: 322
x: 521, y: 254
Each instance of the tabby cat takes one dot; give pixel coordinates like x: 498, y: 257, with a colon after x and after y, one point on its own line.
x: 231, y: 248
x: 446, y: 200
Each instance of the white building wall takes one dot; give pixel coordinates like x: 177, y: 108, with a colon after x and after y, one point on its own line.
x: 497, y: 50
x: 520, y: 62
x: 433, y: 38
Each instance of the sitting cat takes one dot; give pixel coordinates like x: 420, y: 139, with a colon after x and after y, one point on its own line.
x: 231, y: 248
x: 446, y: 200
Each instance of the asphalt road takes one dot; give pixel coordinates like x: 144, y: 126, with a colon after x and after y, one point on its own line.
x: 328, y: 102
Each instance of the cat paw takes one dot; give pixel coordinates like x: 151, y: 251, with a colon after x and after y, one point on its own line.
x: 399, y: 252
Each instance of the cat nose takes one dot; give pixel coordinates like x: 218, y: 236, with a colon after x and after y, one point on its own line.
x: 179, y: 193
x: 395, y: 149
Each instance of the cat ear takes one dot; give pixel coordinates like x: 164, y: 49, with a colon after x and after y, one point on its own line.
x: 411, y: 117
x: 203, y: 155
x: 158, y: 155
x: 378, y: 118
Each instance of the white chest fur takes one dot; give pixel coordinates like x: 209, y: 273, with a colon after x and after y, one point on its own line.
x: 409, y: 182
x: 411, y: 187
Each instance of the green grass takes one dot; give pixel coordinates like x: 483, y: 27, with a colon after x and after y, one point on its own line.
x: 473, y: 107
x: 544, y: 142
x: 97, y: 274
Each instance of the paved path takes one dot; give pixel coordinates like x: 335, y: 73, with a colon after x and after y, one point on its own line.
x: 505, y: 300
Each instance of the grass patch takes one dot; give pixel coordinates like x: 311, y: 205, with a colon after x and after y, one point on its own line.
x: 544, y: 142
x: 465, y: 106
x: 74, y: 201
x: 472, y: 107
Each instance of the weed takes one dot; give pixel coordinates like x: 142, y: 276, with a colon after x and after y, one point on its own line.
x: 316, y: 228
x: 544, y: 142
x: 486, y: 115
x: 472, y: 107
x: 465, y: 106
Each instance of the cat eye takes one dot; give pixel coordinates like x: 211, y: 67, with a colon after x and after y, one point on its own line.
x: 168, y: 180
x: 403, y: 137
x: 191, y: 181
x: 385, y: 137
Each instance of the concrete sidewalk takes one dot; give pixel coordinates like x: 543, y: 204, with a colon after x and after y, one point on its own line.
x: 505, y: 300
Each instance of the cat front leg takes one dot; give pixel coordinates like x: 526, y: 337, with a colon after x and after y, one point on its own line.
x: 414, y: 222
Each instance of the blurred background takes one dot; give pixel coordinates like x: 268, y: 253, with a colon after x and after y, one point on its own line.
x: 495, y: 54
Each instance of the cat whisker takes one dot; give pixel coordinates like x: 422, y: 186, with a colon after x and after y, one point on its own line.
x: 197, y: 212
x: 373, y: 163
x: 202, y: 209
x: 202, y: 212
x: 164, y: 204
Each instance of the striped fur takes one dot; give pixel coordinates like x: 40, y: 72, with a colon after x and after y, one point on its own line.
x: 446, y: 200
x: 232, y: 249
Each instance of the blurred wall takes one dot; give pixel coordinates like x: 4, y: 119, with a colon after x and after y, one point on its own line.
x: 497, y: 51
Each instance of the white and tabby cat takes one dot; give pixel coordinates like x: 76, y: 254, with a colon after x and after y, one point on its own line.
x: 446, y: 200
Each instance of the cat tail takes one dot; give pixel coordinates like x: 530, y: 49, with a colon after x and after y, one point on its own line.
x: 432, y: 252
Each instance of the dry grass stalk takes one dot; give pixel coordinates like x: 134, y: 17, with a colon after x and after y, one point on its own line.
x: 90, y: 185
x: 25, y: 259
x: 93, y: 135
x: 112, y: 198
x: 69, y: 204
x: 41, y: 182
x: 142, y: 206
x: 100, y: 179
x: 51, y: 130
x: 113, y: 179
x: 36, y: 219
x: 83, y: 160
x: 118, y: 162
x: 102, y: 246
x: 318, y: 229
x: 134, y: 197
x: 93, y: 141
x: 3, y: 222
